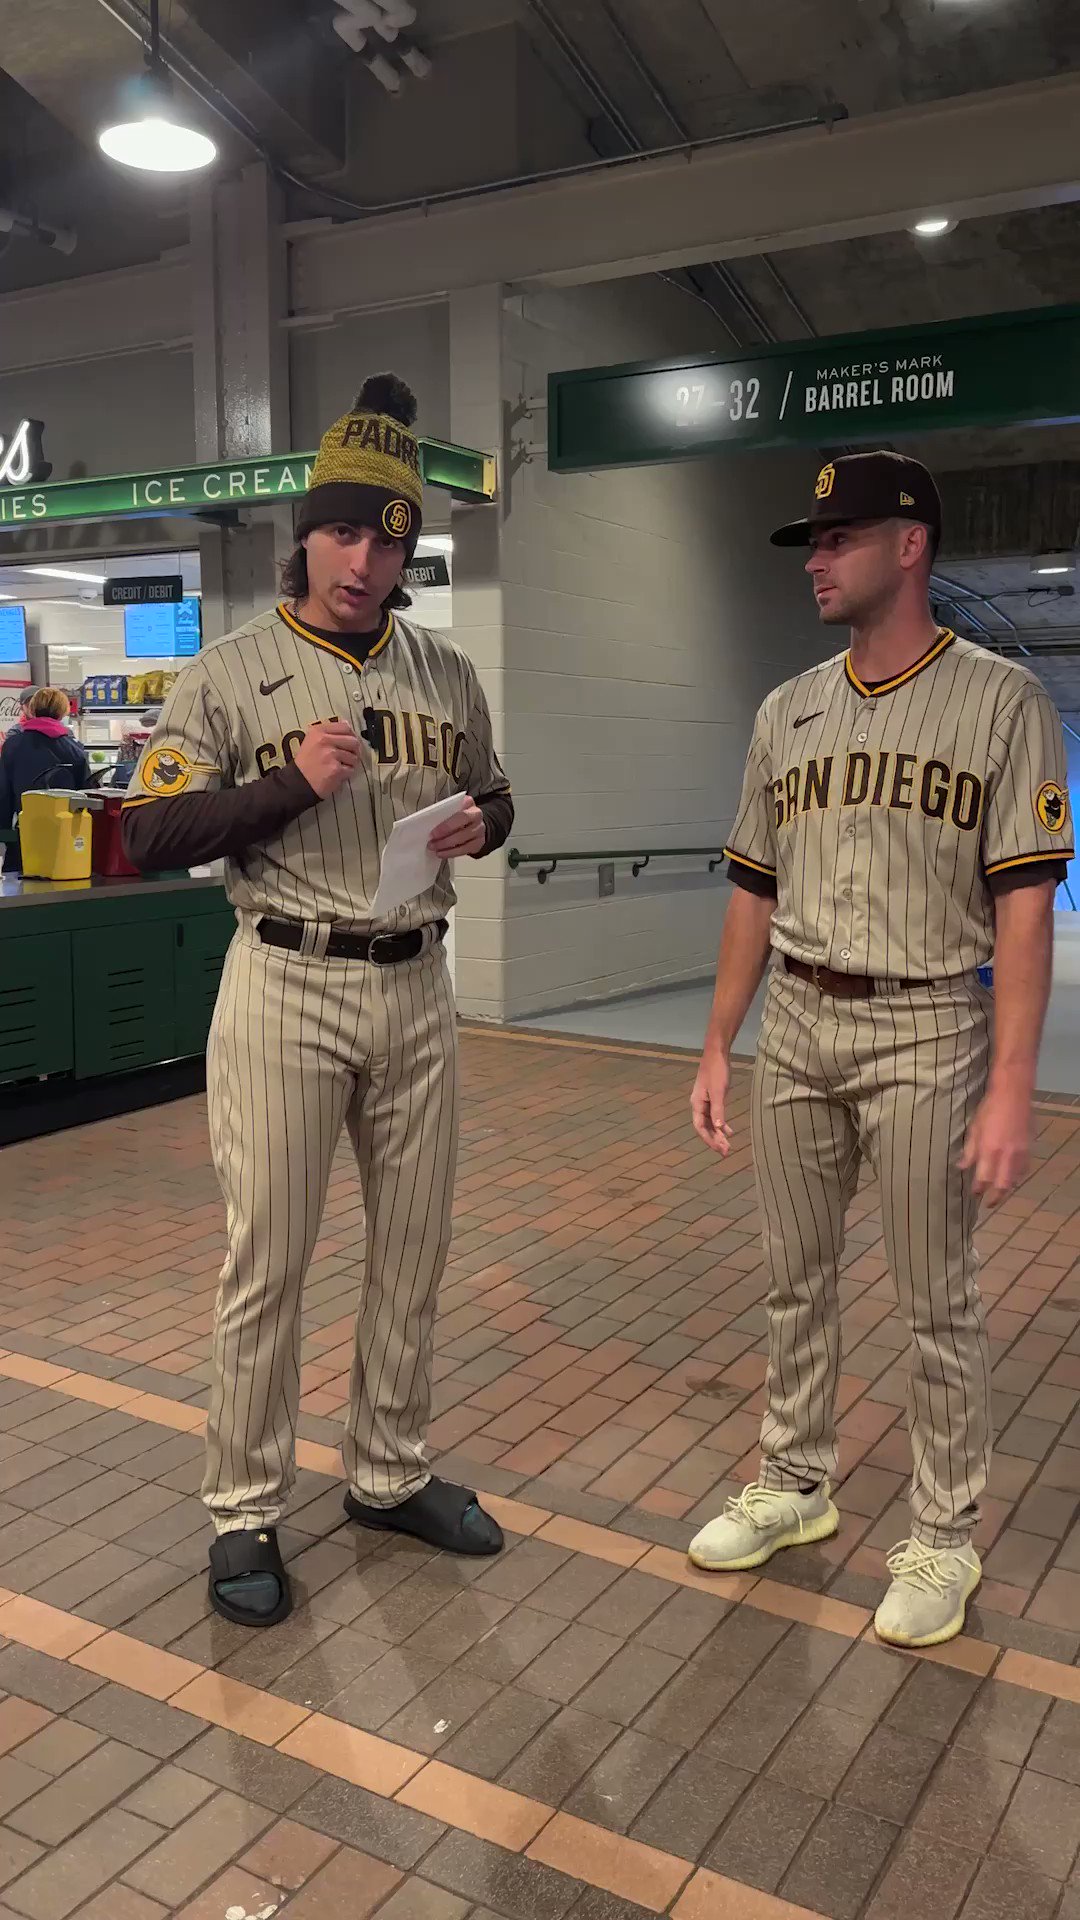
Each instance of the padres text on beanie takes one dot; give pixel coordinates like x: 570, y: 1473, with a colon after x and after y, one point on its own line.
x: 368, y: 466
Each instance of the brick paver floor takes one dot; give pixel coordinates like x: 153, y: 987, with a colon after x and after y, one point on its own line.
x: 585, y: 1728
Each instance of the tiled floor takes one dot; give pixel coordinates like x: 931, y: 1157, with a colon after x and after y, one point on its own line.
x: 584, y: 1727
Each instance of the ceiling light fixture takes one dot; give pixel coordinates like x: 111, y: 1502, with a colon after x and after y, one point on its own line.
x: 153, y: 139
x: 1044, y: 563
x: 933, y: 225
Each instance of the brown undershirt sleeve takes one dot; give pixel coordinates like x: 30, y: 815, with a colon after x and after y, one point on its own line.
x: 751, y: 879
x: 1007, y: 879
x: 191, y: 828
x: 498, y: 812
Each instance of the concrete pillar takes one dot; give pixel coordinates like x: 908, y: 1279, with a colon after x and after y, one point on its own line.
x: 241, y: 380
x: 476, y: 420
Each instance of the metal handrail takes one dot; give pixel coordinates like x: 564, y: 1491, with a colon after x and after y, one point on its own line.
x: 548, y: 862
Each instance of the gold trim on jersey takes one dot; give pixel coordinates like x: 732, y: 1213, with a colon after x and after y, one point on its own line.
x: 730, y: 854
x: 142, y: 800
x: 945, y: 639
x: 1027, y: 860
x: 328, y: 646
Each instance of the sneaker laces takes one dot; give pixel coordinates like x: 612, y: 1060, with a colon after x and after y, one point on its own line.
x: 919, y: 1567
x: 758, y: 1504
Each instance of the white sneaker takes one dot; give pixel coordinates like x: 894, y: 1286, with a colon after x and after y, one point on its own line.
x: 761, y: 1521
x: 927, y: 1601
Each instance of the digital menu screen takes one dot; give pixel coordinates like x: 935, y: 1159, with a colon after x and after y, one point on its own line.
x: 170, y: 632
x: 12, y: 636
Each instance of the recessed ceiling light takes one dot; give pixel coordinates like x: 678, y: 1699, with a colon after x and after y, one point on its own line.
x: 933, y: 225
x: 1052, y: 563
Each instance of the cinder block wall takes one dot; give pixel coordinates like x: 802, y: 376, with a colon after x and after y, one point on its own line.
x: 645, y: 618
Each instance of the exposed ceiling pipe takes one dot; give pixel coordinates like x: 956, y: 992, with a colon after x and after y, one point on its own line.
x: 961, y: 606
x: 357, y: 18
x: 130, y: 16
x: 728, y: 279
x: 691, y: 286
x: 383, y: 70
x: 609, y: 106
x: 348, y: 28
x: 782, y: 287
x: 966, y: 593
x: 589, y: 80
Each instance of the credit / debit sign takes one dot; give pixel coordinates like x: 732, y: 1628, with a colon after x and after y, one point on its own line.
x: 432, y: 571
x: 143, y: 590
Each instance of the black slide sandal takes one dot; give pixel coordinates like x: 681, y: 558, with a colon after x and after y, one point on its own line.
x: 441, y: 1514
x: 233, y: 1555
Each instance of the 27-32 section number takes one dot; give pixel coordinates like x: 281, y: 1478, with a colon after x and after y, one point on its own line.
x: 741, y: 401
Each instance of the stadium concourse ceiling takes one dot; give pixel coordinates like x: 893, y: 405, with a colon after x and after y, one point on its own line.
x: 519, y: 86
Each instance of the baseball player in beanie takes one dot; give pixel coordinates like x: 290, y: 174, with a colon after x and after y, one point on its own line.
x: 291, y: 747
x: 904, y: 820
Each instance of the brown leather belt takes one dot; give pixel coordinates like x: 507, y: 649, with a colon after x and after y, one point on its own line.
x: 844, y: 986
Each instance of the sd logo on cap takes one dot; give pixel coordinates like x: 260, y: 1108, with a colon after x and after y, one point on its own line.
x: 867, y: 486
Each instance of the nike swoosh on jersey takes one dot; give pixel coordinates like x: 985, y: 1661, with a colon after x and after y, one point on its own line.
x: 271, y: 686
x: 805, y: 718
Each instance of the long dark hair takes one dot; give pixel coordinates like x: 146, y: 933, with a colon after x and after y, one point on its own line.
x: 294, y: 582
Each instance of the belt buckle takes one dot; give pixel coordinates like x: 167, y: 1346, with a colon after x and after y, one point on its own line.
x: 377, y: 940
x: 816, y: 972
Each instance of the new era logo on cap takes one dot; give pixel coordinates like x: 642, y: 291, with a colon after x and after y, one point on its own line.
x: 866, y: 486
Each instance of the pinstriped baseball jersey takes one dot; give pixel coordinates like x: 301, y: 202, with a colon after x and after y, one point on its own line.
x: 242, y: 708
x: 883, y: 812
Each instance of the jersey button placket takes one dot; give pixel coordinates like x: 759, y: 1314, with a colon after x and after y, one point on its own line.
x: 863, y: 712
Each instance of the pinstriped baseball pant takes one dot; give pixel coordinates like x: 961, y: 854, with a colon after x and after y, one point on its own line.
x: 894, y: 1080
x: 300, y: 1047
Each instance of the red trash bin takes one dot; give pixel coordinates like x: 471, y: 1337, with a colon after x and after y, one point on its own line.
x: 107, y: 855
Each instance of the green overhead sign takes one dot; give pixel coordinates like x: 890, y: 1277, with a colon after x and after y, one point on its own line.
x: 465, y: 474
x: 1006, y: 370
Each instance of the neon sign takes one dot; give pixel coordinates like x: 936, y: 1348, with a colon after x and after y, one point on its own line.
x: 22, y: 458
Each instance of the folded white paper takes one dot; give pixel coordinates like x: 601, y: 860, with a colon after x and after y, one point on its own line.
x: 408, y: 865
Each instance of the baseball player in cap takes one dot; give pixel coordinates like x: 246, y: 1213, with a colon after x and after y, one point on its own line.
x: 291, y: 747
x: 904, y: 820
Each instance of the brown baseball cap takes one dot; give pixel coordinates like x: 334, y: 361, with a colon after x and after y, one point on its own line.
x: 867, y: 486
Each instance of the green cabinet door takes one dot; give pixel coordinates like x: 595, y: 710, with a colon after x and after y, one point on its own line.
x: 202, y: 941
x: 35, y: 1007
x: 124, y: 997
